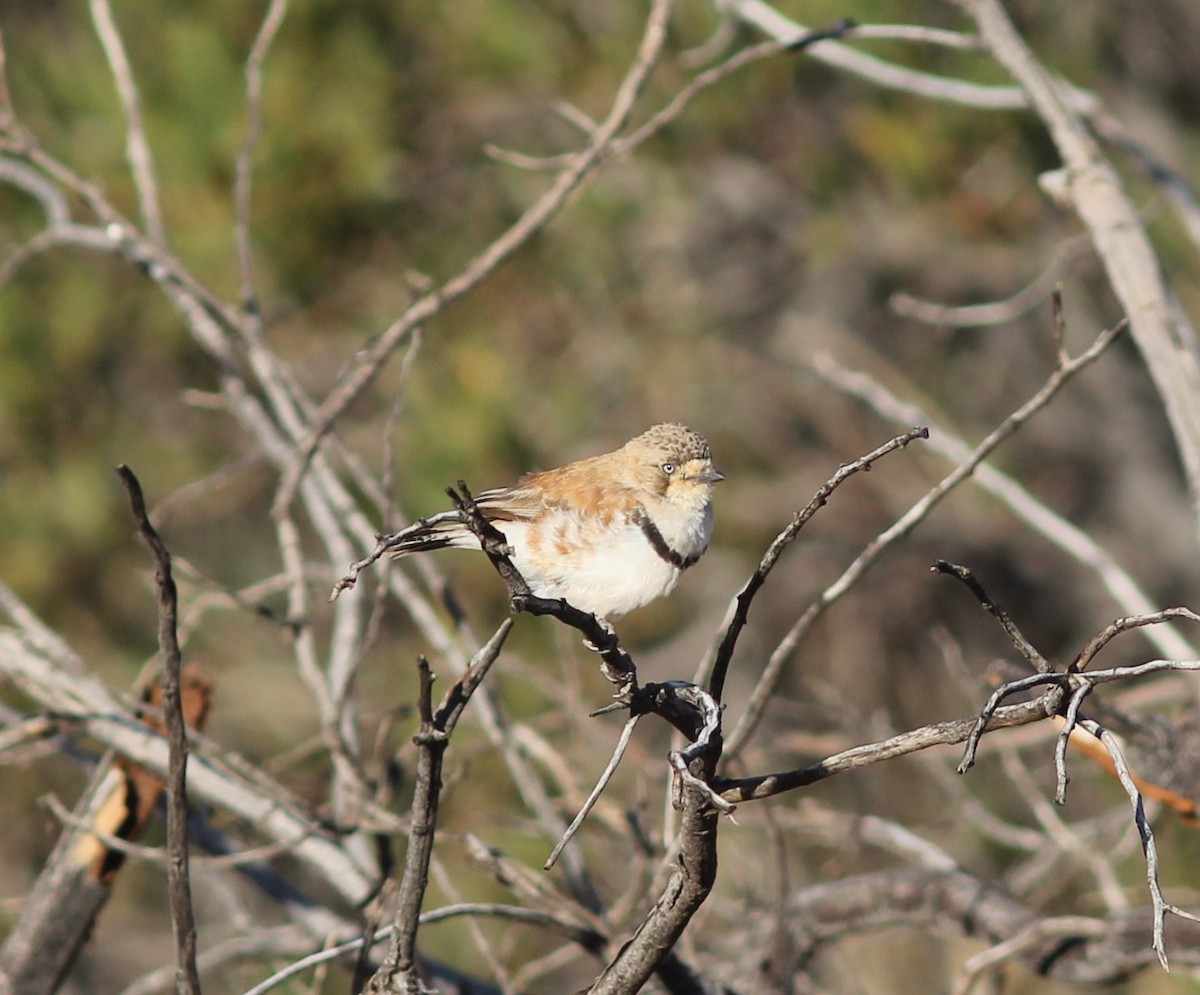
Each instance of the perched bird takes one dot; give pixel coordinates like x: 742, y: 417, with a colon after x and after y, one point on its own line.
x: 608, y: 533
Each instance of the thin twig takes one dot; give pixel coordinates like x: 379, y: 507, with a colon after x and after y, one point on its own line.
x: 533, y: 219
x: 999, y: 312
x: 1114, y: 225
x: 375, y: 617
x: 717, y: 73
x: 1058, y: 324
x: 137, y: 148
x: 1035, y: 935
x: 760, y: 786
x: 162, y: 855
x: 1071, y: 718
x: 1141, y: 670
x: 513, y: 913
x: 1072, y: 844
x: 773, y: 671
x: 993, y: 608
x: 1052, y: 704
x: 1065, y: 682
x: 398, y: 971
x: 432, y: 740
x: 337, y: 725
x: 594, y: 796
x: 183, y: 921
x: 1117, y: 626
x: 1068, y: 537
x: 1145, y: 833
x: 764, y: 17
x: 244, y: 169
x: 724, y: 654
x: 494, y: 960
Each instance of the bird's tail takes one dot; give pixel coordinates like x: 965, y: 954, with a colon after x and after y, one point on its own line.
x: 439, y: 531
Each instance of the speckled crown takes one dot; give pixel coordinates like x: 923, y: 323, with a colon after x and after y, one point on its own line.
x: 676, y: 439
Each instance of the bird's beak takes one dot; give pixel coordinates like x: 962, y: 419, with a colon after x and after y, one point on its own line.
x: 709, y: 475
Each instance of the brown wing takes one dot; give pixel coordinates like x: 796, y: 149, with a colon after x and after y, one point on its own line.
x: 585, y: 488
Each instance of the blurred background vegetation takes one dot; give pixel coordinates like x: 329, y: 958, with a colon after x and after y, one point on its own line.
x: 693, y: 281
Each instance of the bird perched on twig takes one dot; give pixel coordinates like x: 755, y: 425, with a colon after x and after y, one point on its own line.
x: 607, y: 534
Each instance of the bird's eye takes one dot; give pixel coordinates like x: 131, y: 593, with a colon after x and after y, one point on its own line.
x: 668, y: 468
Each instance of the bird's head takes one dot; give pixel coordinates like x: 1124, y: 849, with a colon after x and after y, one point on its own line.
x: 674, y: 464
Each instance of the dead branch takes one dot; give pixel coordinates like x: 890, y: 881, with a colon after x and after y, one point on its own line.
x: 1065, y: 369
x: 1100, y: 199
x: 178, y: 881
x: 724, y: 653
x: 1067, y: 693
x: 400, y: 970
x: 759, y: 786
x: 84, y: 705
x: 1072, y: 540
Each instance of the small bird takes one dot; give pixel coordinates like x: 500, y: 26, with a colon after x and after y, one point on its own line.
x: 607, y: 534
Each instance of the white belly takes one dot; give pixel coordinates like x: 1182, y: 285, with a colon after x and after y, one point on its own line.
x: 608, y: 574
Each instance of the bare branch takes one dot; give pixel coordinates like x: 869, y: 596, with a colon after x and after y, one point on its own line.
x: 706, y: 79
x: 771, y: 22
x: 513, y: 913
x: 1052, y: 526
x: 137, y: 148
x: 1070, y: 717
x: 998, y: 312
x: 398, y: 973
x: 757, y: 787
x: 59, y: 912
x: 1072, y: 845
x: 1176, y: 189
x: 1171, y: 355
x: 1144, y: 832
x: 1035, y: 935
x: 37, y: 633
x: 183, y: 921
x: 1023, y: 645
x: 594, y: 795
x: 720, y: 663
x: 900, y: 528
x: 1117, y: 626
x: 79, y: 700
x: 269, y: 28
x: 690, y: 882
x: 161, y: 855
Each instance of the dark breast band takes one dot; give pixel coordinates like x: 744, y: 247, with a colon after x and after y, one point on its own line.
x: 655, y: 538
